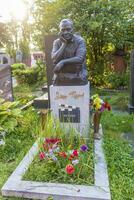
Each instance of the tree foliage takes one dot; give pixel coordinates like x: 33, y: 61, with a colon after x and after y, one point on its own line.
x: 4, y: 37
x: 105, y: 24
x: 19, y: 37
x: 47, y: 15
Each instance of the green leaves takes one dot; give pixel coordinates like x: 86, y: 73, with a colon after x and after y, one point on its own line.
x: 9, y: 114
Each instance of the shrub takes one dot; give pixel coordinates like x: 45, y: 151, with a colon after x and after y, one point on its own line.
x: 30, y: 75
x: 42, y: 70
x: 118, y: 81
x: 17, y: 66
x: 110, y: 79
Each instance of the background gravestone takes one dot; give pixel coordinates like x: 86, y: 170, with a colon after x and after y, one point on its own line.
x: 131, y: 105
x: 19, y: 56
x: 6, y: 91
x: 4, y: 58
x: 49, y: 64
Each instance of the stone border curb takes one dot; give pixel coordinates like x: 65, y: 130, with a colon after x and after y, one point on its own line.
x: 15, y: 186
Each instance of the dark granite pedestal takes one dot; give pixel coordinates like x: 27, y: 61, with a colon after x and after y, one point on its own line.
x: 131, y: 104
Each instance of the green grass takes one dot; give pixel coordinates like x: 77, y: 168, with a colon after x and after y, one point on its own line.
x: 25, y: 93
x: 118, y: 155
x: 118, y: 151
x: 119, y: 101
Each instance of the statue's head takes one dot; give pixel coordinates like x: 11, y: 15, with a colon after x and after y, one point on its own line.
x: 66, y: 29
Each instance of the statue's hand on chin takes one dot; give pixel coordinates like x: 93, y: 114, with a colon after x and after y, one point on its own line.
x: 63, y: 40
x: 58, y: 67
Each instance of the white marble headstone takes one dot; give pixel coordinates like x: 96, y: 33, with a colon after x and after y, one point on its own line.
x: 73, y: 100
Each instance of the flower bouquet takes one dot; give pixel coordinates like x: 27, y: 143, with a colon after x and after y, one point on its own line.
x: 98, y: 106
x: 68, y: 159
x: 59, y: 161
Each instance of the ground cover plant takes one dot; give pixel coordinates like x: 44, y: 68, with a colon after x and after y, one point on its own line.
x: 9, y: 115
x: 63, y: 157
x: 17, y: 142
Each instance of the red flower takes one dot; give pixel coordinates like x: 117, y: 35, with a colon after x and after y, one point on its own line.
x: 107, y: 106
x: 42, y: 155
x: 63, y: 154
x: 71, y: 157
x: 70, y: 169
x: 52, y: 140
x: 75, y: 152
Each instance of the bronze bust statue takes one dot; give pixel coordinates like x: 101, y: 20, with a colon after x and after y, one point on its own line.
x: 68, y: 55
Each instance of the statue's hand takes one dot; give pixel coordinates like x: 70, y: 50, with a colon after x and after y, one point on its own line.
x: 58, y: 67
x: 63, y: 40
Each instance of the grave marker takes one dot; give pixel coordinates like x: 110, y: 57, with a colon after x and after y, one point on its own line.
x: 6, y: 90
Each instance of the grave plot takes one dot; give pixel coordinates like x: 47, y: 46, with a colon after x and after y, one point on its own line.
x: 97, y: 189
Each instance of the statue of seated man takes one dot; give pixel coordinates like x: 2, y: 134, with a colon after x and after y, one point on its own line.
x: 68, y: 55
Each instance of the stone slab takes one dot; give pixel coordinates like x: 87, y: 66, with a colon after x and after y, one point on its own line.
x: 6, y: 90
x: 41, y: 102
x: 75, y: 97
x: 15, y: 186
x: 38, y: 190
x: 101, y: 174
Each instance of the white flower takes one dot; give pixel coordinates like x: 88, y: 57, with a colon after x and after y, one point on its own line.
x: 47, y: 155
x: 57, y: 149
x: 50, y: 151
x: 75, y: 162
x: 70, y: 152
x: 101, y: 101
x: 54, y: 158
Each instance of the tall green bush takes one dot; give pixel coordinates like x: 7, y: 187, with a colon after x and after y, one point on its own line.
x: 17, y: 66
x: 30, y: 75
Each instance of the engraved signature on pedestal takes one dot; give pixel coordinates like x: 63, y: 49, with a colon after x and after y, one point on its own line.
x: 73, y: 94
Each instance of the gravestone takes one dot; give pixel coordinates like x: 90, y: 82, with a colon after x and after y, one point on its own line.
x: 131, y: 105
x: 69, y: 88
x: 48, y: 42
x: 6, y: 91
x: 19, y: 56
x: 4, y: 58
